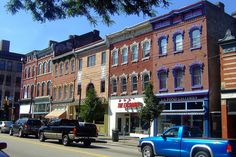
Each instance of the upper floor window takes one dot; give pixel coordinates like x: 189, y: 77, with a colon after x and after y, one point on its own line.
x: 33, y: 71
x: 32, y: 91
x: 25, y: 72
x: 48, y: 88
x: 146, y: 45
x: 102, y: 86
x: 65, y: 92
x: 61, y: 68
x: 178, y: 41
x: 38, y: 89
x: 25, y: 93
x: 56, y: 69
x: 163, y: 45
x: 43, y: 87
x: 54, y: 93
x: 134, y: 52
x: 44, y: 67
x: 39, y: 69
x: 71, y: 91
x: 2, y: 64
x: 91, y: 61
x: 29, y: 70
x: 103, y: 58
x: 123, y: 84
x: 196, y: 74
x: 162, y: 80
x: 9, y: 66
x: 72, y: 65
x: 195, y: 36
x: 28, y: 92
x: 114, y: 85
x: 66, y: 67
x: 18, y: 67
x: 124, y: 55
x: 134, y: 80
x: 49, y: 66
x: 115, y: 57
x: 59, y: 92
x: 178, y: 73
x: 145, y: 81
x: 80, y: 64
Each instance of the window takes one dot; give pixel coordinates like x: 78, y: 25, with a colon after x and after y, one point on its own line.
x: 29, y: 70
x: 56, y: 70
x: 43, y: 87
x: 146, y: 49
x: 25, y: 72
x: 124, y: 55
x: 123, y: 84
x: 44, y: 67
x: 59, y: 92
x: 71, y: 91
x: 1, y: 79
x: 61, y: 68
x: 49, y: 66
x: 54, y: 93
x: 39, y: 69
x: 103, y: 58
x: 18, y: 68
x: 79, y: 89
x: 28, y: 92
x: 91, y: 61
x: 134, y: 51
x: 18, y: 81
x: 32, y: 91
x: 196, y: 69
x: 25, y: 93
x: 67, y: 67
x: 114, y: 85
x: 33, y: 71
x: 9, y: 66
x: 195, y: 38
x: 8, y: 80
x: 38, y: 89
x: 72, y: 65
x: 65, y: 92
x: 163, y: 46
x: 102, y: 86
x: 145, y: 80
x: 115, y: 57
x: 48, y: 88
x: 178, y: 77
x: 172, y: 132
x: 80, y: 64
x: 134, y: 80
x: 178, y: 42
x: 163, y: 80
x: 2, y: 65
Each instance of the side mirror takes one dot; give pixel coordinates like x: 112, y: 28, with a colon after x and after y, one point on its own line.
x: 163, y: 136
x: 3, y: 145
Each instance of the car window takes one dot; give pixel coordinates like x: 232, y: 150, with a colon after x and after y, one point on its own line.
x: 34, y: 122
x: 8, y: 122
x: 172, y: 132
x: 192, y: 132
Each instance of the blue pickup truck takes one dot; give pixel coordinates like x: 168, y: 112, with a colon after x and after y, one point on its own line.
x: 184, y: 141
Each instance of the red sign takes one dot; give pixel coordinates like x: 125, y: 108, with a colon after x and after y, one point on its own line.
x: 129, y: 105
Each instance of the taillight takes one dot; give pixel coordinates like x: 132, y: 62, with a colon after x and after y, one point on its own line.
x: 25, y: 126
x: 229, y: 148
x: 74, y: 131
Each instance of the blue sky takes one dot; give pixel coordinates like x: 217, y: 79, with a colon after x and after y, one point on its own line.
x: 27, y: 35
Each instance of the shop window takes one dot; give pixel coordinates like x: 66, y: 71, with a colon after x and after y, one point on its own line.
x: 124, y: 55
x: 195, y: 106
x: 91, y: 60
x: 66, y: 67
x: 102, y: 86
x: 134, y: 80
x: 162, y: 42
x: 43, y: 87
x: 166, y: 106
x: 114, y: 57
x: 103, y: 58
x: 48, y: 88
x: 195, y: 36
x: 178, y: 106
x: 44, y: 68
x: 123, y: 85
x: 134, y: 52
x: 114, y: 85
x: 38, y: 89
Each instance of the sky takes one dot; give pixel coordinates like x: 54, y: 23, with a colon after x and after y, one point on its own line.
x: 26, y: 35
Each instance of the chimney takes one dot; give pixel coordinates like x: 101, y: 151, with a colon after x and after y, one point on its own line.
x: 221, y: 6
x: 4, y: 45
x: 233, y: 14
x: 96, y: 32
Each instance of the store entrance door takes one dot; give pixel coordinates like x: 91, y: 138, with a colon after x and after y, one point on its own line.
x: 123, y: 124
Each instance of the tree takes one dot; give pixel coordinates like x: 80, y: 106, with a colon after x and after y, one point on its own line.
x: 152, y: 108
x: 43, y: 10
x: 92, y: 107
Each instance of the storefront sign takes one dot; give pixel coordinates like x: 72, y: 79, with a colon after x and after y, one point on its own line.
x: 128, y: 104
x: 178, y: 99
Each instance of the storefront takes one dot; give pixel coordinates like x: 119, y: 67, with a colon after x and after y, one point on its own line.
x: 124, y: 116
x: 68, y: 106
x: 25, y: 108
x: 184, y: 108
x: 41, y: 107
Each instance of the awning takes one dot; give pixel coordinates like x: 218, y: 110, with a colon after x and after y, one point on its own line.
x: 56, y: 114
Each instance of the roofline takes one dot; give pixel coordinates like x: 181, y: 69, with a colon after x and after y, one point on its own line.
x: 90, y: 46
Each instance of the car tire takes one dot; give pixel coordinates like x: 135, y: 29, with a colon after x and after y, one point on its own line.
x: 87, y: 143
x: 21, y: 133
x: 65, y: 140
x: 41, y: 137
x: 11, y: 132
x: 147, y: 151
x: 202, y: 154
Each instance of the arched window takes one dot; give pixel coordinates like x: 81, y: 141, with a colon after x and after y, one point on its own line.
x: 59, y: 93
x: 89, y: 87
x: 196, y: 70
x: 115, y: 57
x: 146, y: 80
x: 25, y: 72
x: 123, y: 84
x: 163, y: 45
x: 71, y: 91
x: 48, y: 88
x: 28, y: 92
x: 39, y: 69
x: 114, y: 85
x: 49, y: 66
x: 72, y: 65
x: 44, y: 67
x: 195, y: 36
x: 61, y: 68
x: 25, y: 93
x: 38, y: 89
x: 178, y: 72
x: 43, y: 87
x: 134, y: 51
x: 124, y: 55
x: 146, y: 44
x: 67, y: 67
x: 32, y: 91
x: 33, y: 71
x: 179, y: 42
x: 65, y: 92
x: 56, y: 70
x: 29, y: 70
x: 54, y: 93
x: 134, y: 80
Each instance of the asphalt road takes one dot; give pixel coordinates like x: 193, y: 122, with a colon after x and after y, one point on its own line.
x: 31, y: 147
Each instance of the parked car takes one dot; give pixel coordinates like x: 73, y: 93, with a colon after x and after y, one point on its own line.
x: 183, y: 141
x: 5, y: 126
x: 67, y: 131
x: 25, y: 126
x: 3, y: 145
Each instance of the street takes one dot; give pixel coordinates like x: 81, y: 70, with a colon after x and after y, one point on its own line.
x: 28, y: 147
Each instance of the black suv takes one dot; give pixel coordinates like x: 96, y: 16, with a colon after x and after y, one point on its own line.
x: 25, y: 126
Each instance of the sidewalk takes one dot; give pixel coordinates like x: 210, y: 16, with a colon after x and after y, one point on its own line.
x: 123, y: 140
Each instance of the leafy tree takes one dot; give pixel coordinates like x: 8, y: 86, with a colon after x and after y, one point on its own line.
x: 43, y: 10
x: 153, y: 108
x: 92, y: 107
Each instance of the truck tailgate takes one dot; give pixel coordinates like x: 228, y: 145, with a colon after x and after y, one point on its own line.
x: 87, y: 130
x: 233, y: 144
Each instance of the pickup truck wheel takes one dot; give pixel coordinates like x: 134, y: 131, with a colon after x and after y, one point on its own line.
x: 87, y: 143
x: 65, y: 140
x: 201, y: 154
x: 41, y: 137
x: 147, y: 151
x: 11, y: 132
x: 21, y: 133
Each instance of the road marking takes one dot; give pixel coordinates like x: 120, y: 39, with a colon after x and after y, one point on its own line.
x: 53, y: 146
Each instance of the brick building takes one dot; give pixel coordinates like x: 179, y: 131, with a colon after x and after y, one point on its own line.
x: 10, y: 81
x: 228, y: 83
x: 37, y: 83
x: 64, y: 74
x: 92, y: 72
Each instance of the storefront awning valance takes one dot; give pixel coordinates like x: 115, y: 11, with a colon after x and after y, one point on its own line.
x: 56, y: 114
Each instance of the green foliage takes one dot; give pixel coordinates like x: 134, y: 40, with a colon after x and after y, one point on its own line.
x: 92, y: 108
x: 152, y: 109
x: 43, y: 10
